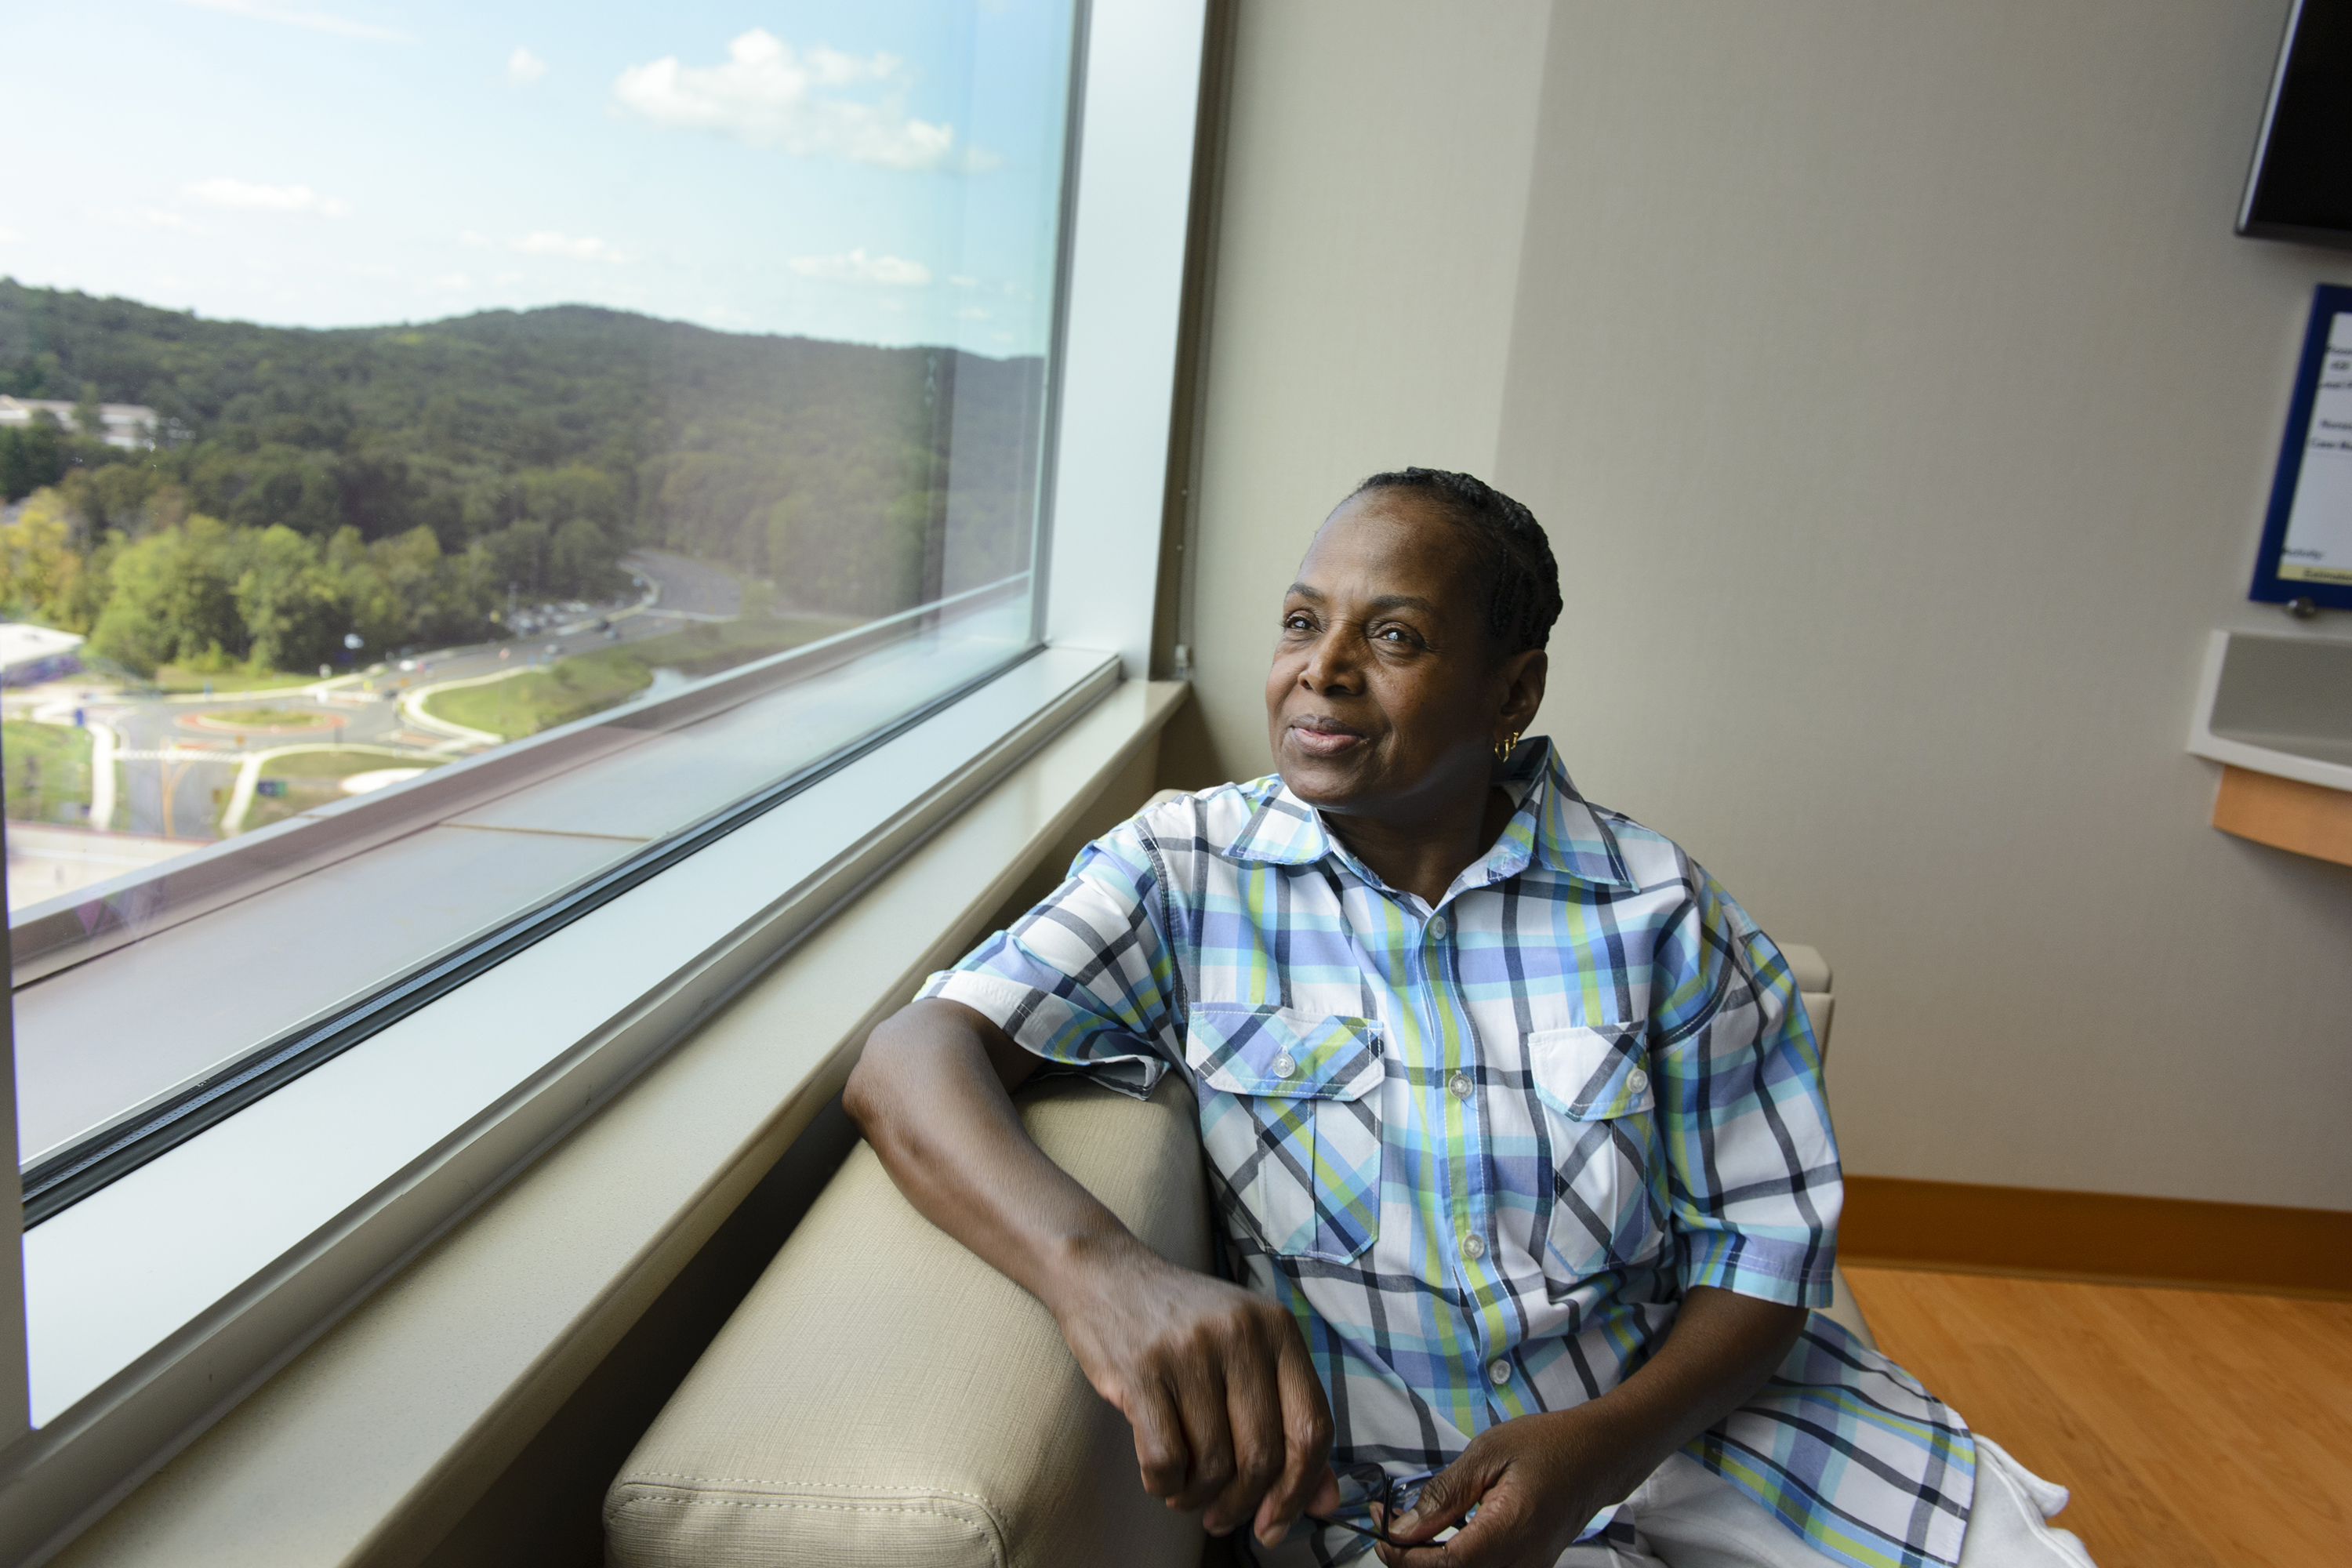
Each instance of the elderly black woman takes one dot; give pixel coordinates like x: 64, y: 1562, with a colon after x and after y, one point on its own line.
x: 1513, y: 1118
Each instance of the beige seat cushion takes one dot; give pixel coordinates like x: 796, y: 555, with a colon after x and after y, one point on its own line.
x: 884, y: 1398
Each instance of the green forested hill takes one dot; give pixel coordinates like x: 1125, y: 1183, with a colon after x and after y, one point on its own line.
x: 544, y: 443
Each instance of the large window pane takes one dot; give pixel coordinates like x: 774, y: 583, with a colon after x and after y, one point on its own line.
x: 468, y: 447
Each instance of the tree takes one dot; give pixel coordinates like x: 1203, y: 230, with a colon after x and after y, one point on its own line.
x: 89, y: 418
x: 579, y: 561
x: 40, y: 570
x: 518, y: 555
x: 402, y: 591
x: 173, y: 598
x: 292, y: 613
x: 31, y: 455
x: 113, y: 495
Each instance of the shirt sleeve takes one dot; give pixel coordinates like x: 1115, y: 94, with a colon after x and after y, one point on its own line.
x: 1753, y: 1181
x: 1085, y: 979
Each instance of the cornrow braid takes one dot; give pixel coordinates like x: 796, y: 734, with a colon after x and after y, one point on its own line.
x: 1521, y: 579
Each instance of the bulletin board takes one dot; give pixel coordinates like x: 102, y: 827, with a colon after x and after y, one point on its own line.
x: 2307, y: 537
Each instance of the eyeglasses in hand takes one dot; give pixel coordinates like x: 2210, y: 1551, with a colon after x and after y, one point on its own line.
x: 1368, y: 1490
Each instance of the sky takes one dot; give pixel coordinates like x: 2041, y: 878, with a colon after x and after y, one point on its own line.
x: 873, y: 171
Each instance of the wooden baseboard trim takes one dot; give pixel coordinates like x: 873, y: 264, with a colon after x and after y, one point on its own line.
x: 1894, y: 1223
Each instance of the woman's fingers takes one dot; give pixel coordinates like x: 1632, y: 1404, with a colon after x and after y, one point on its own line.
x: 1499, y: 1535
x: 1219, y: 1389
x: 1254, y: 1406
x: 1198, y: 1382
x: 1160, y: 1453
x: 1305, y: 1437
x: 1468, y: 1482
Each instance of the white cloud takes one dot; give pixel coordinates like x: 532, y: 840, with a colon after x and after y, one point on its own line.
x: 452, y: 282
x: 580, y: 250
x: 477, y: 241
x: 971, y: 313
x: 9, y: 236
x: 959, y: 280
x: 523, y: 67
x: 316, y: 21
x: 769, y: 95
x: 857, y: 266
x: 238, y: 194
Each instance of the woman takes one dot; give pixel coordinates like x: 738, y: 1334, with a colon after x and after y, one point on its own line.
x: 1513, y: 1120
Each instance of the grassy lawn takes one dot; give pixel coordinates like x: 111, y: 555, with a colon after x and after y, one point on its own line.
x: 313, y: 779
x: 707, y: 648
x: 170, y: 678
x: 48, y: 770
x: 540, y: 699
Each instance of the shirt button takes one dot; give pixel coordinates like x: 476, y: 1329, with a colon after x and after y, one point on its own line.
x: 1437, y: 926
x: 1283, y: 1065
x: 1499, y: 1372
x: 1637, y: 1080
x: 1459, y: 1086
x: 1473, y: 1245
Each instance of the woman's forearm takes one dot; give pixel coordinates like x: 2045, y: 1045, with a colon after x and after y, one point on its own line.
x: 931, y: 1095
x: 1721, y: 1348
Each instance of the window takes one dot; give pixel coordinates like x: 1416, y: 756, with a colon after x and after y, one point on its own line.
x: 426, y: 525
x: 262, y: 1071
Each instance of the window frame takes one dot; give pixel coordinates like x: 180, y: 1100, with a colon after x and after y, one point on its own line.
x: 1129, y: 194
x: 285, y: 851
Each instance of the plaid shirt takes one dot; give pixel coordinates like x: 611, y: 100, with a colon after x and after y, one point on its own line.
x: 1481, y: 1149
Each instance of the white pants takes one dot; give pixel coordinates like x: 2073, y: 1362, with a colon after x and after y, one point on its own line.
x: 1686, y: 1516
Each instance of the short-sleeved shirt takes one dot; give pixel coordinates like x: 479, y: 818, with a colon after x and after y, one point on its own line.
x: 1482, y: 1148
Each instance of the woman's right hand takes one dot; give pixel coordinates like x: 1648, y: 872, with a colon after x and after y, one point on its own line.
x: 1228, y: 1414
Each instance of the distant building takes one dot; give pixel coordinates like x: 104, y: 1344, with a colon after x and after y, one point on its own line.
x: 130, y: 426
x: 30, y: 654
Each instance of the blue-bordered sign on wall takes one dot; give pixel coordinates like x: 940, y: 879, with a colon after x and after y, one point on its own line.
x: 2307, y: 539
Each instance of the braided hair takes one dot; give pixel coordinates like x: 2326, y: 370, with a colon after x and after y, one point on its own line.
x: 1519, y: 578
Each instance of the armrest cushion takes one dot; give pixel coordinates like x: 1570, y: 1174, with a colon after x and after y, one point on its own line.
x: 884, y: 1398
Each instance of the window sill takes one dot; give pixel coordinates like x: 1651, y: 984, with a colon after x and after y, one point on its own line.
x: 371, y: 1443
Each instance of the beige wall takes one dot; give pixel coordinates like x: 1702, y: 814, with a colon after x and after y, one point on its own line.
x: 1902, y: 409
x: 1347, y: 334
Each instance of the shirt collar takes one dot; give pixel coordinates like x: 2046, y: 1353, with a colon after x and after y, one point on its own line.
x: 1553, y: 828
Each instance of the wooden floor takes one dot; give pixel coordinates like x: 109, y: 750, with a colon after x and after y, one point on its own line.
x: 2194, y: 1428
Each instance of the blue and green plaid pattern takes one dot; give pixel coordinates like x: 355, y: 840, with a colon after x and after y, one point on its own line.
x: 1481, y: 1149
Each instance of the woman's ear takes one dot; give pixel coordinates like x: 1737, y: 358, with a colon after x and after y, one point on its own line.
x: 1523, y: 688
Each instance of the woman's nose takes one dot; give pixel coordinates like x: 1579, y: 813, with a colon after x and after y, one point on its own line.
x: 1328, y: 667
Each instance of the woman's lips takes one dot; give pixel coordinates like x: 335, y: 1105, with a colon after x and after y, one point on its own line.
x: 1323, y: 738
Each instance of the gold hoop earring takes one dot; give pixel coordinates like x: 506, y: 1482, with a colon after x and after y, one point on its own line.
x: 1504, y: 748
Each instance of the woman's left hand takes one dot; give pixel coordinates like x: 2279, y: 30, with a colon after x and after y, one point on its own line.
x: 1536, y: 1481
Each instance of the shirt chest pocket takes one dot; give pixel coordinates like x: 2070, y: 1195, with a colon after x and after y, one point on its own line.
x: 1596, y: 1113
x: 1290, y: 1123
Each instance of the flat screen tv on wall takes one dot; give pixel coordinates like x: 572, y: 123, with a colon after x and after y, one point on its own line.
x: 2300, y: 186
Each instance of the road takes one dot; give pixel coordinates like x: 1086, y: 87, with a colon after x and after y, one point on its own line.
x: 180, y: 756
x: 687, y: 587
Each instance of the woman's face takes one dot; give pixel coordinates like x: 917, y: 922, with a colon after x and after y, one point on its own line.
x: 1386, y: 696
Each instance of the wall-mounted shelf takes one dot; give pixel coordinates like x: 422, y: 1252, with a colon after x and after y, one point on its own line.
x: 2277, y: 713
